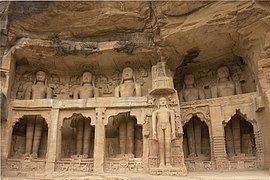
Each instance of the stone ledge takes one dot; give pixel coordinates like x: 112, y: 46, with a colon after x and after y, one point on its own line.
x: 176, y: 171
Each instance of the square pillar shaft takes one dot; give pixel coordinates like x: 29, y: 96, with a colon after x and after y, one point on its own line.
x: 219, y: 150
x: 99, y: 148
x: 52, y: 141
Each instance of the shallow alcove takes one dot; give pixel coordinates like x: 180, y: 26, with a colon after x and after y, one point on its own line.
x: 196, y: 141
x: 77, y: 137
x: 240, y: 138
x: 131, y: 137
x: 29, y: 137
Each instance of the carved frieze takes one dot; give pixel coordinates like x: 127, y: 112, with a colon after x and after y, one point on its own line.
x: 24, y: 165
x: 124, y: 165
x: 74, y: 166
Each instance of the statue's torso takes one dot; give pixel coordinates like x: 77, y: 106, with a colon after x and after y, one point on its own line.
x: 127, y: 89
x: 39, y: 91
x: 163, y: 118
x: 226, y: 88
x: 86, y: 92
x: 191, y: 94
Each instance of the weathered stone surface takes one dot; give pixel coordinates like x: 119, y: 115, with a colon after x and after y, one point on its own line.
x: 208, y: 60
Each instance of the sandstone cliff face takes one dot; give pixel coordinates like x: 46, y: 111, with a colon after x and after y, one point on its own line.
x: 215, y: 30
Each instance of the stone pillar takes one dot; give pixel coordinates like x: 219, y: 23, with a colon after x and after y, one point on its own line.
x: 99, y: 148
x: 219, y: 150
x: 52, y: 141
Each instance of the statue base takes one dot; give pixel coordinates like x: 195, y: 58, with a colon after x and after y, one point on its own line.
x: 175, y: 171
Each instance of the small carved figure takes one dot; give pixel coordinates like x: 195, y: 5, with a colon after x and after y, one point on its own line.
x: 25, y: 81
x: 39, y: 90
x: 124, y: 121
x: 190, y: 91
x: 87, y: 88
x: 163, y: 122
x: 57, y: 86
x: 103, y: 84
x: 225, y: 85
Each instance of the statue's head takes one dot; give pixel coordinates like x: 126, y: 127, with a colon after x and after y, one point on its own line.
x: 223, y: 72
x: 162, y: 101
x: 189, y: 79
x: 40, y: 76
x: 55, y: 79
x: 86, y: 78
x: 127, y: 74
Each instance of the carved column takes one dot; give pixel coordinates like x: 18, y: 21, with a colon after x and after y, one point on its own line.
x: 219, y: 150
x: 99, y: 148
x: 52, y: 141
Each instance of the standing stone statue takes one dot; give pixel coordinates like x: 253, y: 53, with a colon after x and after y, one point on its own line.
x: 190, y: 92
x: 82, y: 124
x: 225, y: 85
x: 38, y: 90
x: 163, y: 122
x: 127, y: 88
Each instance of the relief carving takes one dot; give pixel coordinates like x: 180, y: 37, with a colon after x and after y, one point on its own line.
x: 126, y: 123
x: 163, y: 122
x: 24, y: 81
x: 87, y: 88
x: 190, y: 91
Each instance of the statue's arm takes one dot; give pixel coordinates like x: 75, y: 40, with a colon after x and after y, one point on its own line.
x: 173, y: 122
x: 154, y: 124
x: 117, y: 91
x: 238, y: 88
x: 76, y: 93
x: 181, y: 96
x: 214, y: 91
x: 138, y: 90
x: 49, y: 93
x: 96, y: 92
x: 201, y: 94
x: 28, y: 92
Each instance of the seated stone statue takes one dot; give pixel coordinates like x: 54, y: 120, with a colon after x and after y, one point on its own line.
x: 124, y: 121
x: 87, y: 89
x: 190, y: 92
x: 38, y: 90
x: 128, y: 86
x: 163, y: 122
x: 225, y: 85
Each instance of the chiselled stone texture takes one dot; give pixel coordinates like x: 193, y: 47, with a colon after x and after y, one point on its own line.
x: 135, y: 87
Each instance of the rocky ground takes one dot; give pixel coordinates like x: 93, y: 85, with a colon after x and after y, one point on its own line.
x: 243, y: 175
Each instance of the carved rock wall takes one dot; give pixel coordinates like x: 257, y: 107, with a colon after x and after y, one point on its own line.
x: 65, y: 35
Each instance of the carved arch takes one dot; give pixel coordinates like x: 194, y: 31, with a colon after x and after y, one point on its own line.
x: 227, y: 118
x: 201, y: 112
